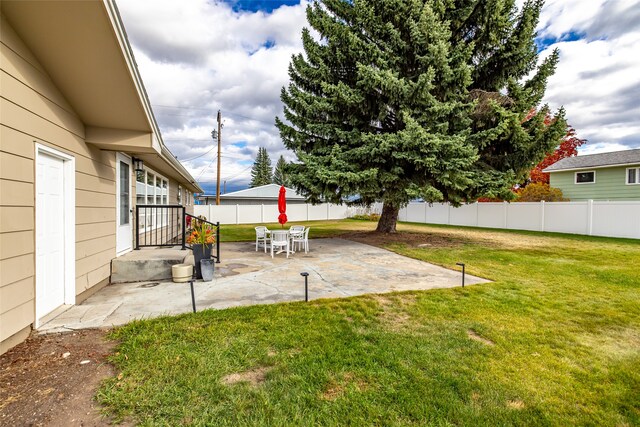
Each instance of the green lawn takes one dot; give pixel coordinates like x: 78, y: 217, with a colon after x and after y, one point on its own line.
x: 556, y: 341
x: 247, y: 232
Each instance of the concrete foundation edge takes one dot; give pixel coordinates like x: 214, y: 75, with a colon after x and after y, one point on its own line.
x: 15, y: 339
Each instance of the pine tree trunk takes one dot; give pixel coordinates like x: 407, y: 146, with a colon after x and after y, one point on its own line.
x: 388, y: 219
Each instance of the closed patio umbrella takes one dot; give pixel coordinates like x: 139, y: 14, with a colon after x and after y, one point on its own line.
x: 282, y: 206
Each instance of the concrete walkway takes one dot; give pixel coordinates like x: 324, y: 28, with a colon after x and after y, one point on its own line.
x: 337, y: 268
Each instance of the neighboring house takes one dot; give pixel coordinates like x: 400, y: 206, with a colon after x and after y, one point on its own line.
x: 74, y: 114
x: 606, y: 176
x: 263, y: 195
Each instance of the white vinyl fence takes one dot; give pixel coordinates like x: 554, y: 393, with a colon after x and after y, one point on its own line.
x: 593, y: 218
x: 259, y: 214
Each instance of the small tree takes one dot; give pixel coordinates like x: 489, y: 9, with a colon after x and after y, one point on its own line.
x: 567, y: 148
x: 280, y: 175
x: 539, y: 191
x: 261, y: 173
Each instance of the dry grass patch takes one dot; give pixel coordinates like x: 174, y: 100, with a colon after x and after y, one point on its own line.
x: 336, y: 388
x: 393, y: 314
x: 476, y: 337
x: 515, y: 404
x: 614, y: 343
x: 254, y: 377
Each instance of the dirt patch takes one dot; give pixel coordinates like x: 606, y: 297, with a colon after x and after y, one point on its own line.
x: 476, y: 337
x: 254, y: 377
x: 425, y: 237
x: 47, y: 380
x: 486, y: 237
x: 336, y: 388
x: 418, y: 240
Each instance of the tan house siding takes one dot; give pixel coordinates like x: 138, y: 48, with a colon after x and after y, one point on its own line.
x: 85, y: 101
x: 34, y: 110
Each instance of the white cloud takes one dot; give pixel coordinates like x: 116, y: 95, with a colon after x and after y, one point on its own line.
x: 593, y: 18
x: 602, y: 147
x: 202, y: 56
x: 598, y: 77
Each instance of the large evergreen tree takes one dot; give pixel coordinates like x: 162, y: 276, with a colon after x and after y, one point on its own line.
x: 400, y: 99
x: 280, y: 174
x: 261, y: 173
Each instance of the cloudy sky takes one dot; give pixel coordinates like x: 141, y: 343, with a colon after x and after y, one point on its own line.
x: 199, y: 56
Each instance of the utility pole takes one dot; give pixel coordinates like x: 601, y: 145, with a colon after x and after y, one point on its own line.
x: 219, y: 140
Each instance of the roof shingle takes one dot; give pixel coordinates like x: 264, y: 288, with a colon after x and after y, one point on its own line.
x: 625, y: 157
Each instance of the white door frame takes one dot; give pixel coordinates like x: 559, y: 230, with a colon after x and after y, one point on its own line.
x: 127, y: 159
x: 69, y: 189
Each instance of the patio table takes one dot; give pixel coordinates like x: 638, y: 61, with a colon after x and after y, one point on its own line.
x: 284, y: 232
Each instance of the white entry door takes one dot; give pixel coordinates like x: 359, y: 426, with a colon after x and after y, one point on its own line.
x: 124, y: 236
x: 50, y: 234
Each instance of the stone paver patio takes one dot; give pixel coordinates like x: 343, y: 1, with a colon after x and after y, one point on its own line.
x: 337, y: 268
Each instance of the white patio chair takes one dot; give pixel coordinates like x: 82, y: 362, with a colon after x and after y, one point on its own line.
x: 295, y: 231
x: 301, y: 240
x: 280, y: 239
x: 262, y: 237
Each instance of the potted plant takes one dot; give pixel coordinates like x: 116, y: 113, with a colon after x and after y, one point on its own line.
x: 201, y: 238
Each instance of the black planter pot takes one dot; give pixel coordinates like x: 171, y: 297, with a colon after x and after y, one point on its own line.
x: 200, y: 252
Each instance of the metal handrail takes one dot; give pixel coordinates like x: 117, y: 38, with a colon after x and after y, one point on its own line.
x: 160, y: 234
x: 214, y: 224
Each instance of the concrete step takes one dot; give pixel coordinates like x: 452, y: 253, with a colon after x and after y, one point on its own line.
x: 147, y: 264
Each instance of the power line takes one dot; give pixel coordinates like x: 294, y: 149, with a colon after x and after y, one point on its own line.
x: 208, y: 110
x: 196, y: 157
x: 207, y: 167
x: 239, y: 173
x: 230, y: 178
x: 183, y: 108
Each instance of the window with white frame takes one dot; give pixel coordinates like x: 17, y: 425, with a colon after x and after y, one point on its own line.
x: 152, y: 189
x: 633, y: 176
x: 588, y: 177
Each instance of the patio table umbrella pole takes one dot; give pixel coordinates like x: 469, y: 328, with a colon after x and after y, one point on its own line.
x: 282, y: 206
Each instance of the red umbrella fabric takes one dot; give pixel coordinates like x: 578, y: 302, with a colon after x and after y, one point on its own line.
x: 282, y: 206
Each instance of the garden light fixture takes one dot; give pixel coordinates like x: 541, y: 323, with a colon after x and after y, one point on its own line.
x: 461, y: 264
x: 306, y: 285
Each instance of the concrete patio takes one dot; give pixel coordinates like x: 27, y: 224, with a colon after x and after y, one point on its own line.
x: 337, y: 268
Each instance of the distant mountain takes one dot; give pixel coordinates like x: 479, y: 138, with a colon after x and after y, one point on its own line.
x: 210, y: 188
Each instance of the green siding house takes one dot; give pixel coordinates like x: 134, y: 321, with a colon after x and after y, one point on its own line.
x: 606, y: 176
